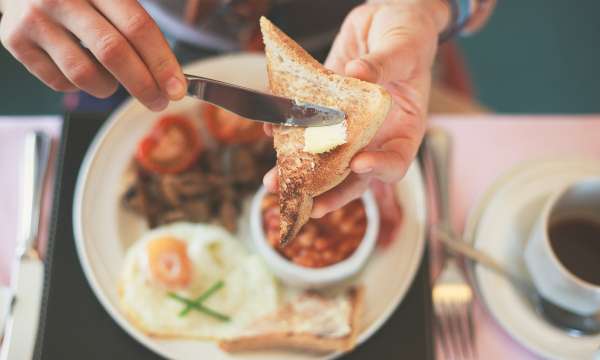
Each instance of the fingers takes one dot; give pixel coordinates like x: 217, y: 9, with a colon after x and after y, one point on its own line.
x: 143, y: 34
x: 391, y: 162
x: 390, y: 61
x: 344, y: 47
x: 351, y: 188
x: 73, y: 61
x: 124, y: 44
x: 339, y: 53
x: 401, y: 40
x: 268, y: 128
x: 111, y: 49
x: 39, y: 64
x: 362, y: 69
x: 389, y: 166
x: 270, y: 180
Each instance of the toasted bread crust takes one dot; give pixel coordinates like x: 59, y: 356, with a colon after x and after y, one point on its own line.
x: 295, y: 74
x: 303, y: 341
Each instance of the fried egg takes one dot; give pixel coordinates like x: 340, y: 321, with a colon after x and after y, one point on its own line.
x: 184, y: 260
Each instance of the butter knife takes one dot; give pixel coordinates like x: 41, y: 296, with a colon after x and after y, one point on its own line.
x: 259, y: 106
x: 27, y: 279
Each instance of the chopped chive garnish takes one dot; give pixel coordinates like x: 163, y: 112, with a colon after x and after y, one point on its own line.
x: 197, y: 305
x: 201, y: 308
x: 203, y: 297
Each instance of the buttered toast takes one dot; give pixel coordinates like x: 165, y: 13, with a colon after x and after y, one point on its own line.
x: 303, y: 173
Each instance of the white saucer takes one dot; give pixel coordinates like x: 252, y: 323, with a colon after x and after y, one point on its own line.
x: 500, y: 226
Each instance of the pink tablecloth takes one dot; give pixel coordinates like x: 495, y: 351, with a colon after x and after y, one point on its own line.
x: 12, y: 136
x: 485, y: 147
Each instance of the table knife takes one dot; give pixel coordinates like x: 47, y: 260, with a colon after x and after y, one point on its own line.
x: 258, y: 106
x: 27, y: 279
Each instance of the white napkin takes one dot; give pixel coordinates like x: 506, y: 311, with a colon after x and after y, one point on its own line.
x: 4, y: 297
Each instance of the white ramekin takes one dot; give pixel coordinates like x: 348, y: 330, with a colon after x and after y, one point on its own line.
x: 303, y: 277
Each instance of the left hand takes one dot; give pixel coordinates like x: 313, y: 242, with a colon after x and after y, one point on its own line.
x: 392, y: 43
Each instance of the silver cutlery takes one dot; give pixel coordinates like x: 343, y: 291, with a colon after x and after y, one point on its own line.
x: 258, y: 106
x: 27, y: 278
x: 452, y: 294
x: 571, y: 323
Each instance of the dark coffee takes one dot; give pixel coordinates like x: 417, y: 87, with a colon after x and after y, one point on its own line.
x: 576, y: 243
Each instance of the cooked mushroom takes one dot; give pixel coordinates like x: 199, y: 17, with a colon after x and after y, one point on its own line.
x: 213, y: 189
x: 228, y: 216
x: 177, y: 187
x: 244, y: 166
x: 171, y: 216
x: 197, y: 210
x: 133, y: 199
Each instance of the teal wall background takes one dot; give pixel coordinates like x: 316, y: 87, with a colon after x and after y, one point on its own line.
x: 22, y: 93
x: 534, y: 56
x: 538, y: 56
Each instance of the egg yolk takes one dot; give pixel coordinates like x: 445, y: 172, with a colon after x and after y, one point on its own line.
x: 168, y: 262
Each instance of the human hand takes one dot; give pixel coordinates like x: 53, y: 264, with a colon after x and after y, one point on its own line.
x: 92, y: 45
x: 392, y: 43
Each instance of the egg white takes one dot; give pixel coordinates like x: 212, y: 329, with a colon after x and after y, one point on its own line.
x: 250, y: 291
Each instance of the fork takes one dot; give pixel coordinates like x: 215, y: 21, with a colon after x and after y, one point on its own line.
x: 452, y: 295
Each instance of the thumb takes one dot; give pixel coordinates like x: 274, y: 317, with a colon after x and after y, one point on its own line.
x: 392, y: 57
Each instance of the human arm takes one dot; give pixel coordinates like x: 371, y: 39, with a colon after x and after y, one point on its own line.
x: 392, y: 43
x: 93, y: 45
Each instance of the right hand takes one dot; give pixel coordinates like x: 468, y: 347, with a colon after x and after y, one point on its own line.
x: 93, y: 45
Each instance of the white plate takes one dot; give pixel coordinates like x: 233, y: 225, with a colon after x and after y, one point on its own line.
x: 500, y: 226
x: 103, y: 231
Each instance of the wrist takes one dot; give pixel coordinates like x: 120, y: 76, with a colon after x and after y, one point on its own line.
x: 438, y: 10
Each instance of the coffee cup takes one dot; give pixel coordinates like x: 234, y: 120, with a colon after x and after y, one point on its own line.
x: 563, y: 252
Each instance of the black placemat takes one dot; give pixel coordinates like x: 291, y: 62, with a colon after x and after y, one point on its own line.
x: 75, y: 326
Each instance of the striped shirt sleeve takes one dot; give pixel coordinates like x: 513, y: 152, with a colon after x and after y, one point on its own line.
x: 468, y: 16
x: 478, y: 12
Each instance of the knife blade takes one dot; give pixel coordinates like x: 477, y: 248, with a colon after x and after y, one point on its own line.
x: 20, y: 331
x: 258, y: 106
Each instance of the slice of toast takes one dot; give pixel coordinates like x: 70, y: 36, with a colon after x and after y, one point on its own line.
x: 309, y: 322
x: 293, y: 73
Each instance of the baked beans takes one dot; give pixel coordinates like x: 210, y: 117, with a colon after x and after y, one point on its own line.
x: 320, y: 242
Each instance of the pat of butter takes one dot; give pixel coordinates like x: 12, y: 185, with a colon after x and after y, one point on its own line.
x: 322, y: 139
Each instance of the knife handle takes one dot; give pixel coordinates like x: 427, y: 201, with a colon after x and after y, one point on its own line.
x: 437, y: 147
x: 35, y: 165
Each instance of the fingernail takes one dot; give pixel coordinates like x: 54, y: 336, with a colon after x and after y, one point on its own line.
x: 159, y: 104
x: 175, y: 87
x: 363, y: 170
x: 269, y: 180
